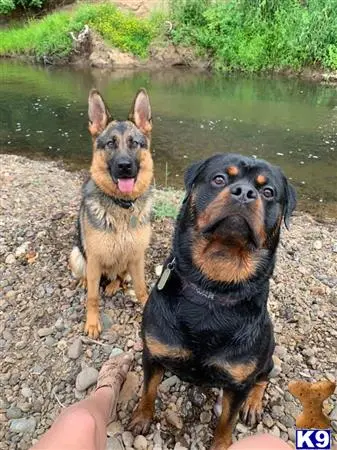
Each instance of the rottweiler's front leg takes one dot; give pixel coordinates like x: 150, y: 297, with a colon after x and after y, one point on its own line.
x: 153, y: 374
x: 231, y: 403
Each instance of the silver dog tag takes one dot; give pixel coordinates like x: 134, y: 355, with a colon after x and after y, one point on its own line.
x: 163, y: 278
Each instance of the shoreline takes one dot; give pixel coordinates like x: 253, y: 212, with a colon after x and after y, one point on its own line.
x: 174, y: 58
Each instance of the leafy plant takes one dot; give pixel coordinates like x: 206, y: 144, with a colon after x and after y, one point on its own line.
x: 254, y: 35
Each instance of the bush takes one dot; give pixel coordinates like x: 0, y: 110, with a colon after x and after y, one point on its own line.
x: 256, y: 35
x: 7, y: 6
x: 50, y: 36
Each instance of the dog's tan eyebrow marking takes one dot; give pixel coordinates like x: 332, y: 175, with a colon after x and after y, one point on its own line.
x: 157, y: 348
x: 261, y: 179
x: 232, y: 171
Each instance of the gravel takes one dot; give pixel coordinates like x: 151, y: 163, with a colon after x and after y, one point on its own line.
x: 42, y: 317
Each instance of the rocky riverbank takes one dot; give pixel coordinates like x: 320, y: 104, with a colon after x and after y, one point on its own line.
x: 47, y: 362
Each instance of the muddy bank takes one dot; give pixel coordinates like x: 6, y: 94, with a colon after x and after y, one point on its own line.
x: 43, y: 348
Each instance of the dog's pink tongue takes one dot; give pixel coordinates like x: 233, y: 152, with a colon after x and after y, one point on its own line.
x: 126, y: 185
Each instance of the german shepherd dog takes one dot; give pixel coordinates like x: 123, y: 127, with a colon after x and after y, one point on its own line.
x: 206, y: 319
x: 114, y: 218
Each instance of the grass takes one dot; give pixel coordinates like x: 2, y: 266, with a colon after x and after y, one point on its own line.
x: 255, y: 35
x: 50, y: 36
x: 167, y: 203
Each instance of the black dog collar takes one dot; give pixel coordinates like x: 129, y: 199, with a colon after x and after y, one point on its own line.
x: 202, y: 296
x: 126, y: 204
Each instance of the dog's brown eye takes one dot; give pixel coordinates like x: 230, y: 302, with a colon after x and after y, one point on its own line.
x: 112, y: 143
x: 268, y: 192
x: 219, y: 180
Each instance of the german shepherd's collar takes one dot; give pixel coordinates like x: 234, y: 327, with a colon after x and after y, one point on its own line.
x: 114, y: 218
x: 206, y: 319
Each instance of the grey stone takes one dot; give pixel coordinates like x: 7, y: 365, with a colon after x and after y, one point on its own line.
x: 173, y: 419
x: 333, y: 414
x: 140, y: 443
x: 114, y: 443
x: 10, y: 259
x: 205, y: 417
x: 26, y: 392
x: 75, y: 349
x: 115, y: 352
x: 127, y: 437
x: 268, y: 420
x: 277, y: 411
x: 22, y: 250
x: 23, y: 425
x: 50, y: 341
x: 59, y: 324
x: 4, y: 403
x: 168, y: 383
x: 14, y: 413
x: 86, y: 378
x: 114, y: 428
x: 334, y: 247
x: 317, y: 245
x: 46, y: 331
x: 106, y: 321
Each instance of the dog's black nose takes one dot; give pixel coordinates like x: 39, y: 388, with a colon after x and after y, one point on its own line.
x: 124, y: 166
x: 243, y: 192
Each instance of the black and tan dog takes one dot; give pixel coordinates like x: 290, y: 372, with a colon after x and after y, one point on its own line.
x: 206, y: 319
x: 114, y: 218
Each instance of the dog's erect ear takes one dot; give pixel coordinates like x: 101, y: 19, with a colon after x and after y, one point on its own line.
x: 191, y: 175
x: 140, y: 113
x: 98, y: 113
x: 290, y: 201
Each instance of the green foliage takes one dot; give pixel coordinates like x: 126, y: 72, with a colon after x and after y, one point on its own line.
x: 7, y: 6
x: 255, y: 35
x: 50, y: 36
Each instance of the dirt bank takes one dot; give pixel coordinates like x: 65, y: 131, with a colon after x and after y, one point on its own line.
x: 43, y: 348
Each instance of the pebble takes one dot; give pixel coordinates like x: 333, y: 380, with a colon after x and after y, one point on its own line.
x: 197, y: 397
x: 59, y: 324
x: 140, y: 443
x: 14, y: 413
x: 275, y: 431
x: 173, y: 419
x: 334, y: 247
x: 114, y: 443
x: 317, y: 245
x: 10, y: 259
x: 178, y: 446
x: 205, y: 417
x: 127, y: 437
x: 159, y: 270
x: 106, y: 321
x: 333, y: 414
x: 114, y: 428
x: 23, y: 425
x: 75, y: 349
x: 168, y: 383
x: 26, y: 392
x: 22, y: 250
x: 46, y: 331
x: 115, y: 352
x: 86, y: 378
x: 267, y: 420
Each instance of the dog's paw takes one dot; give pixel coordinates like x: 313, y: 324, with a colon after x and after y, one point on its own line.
x: 141, y: 422
x: 112, y: 287
x: 93, y: 326
x: 251, y: 411
x: 143, y: 298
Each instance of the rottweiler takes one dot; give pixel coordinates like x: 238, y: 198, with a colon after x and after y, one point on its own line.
x: 113, y: 228
x: 206, y: 319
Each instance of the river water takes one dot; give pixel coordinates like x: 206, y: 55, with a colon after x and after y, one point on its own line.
x: 289, y: 122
